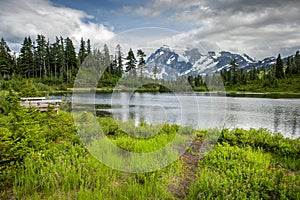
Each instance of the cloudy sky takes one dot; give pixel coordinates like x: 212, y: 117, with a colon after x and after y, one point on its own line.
x: 258, y: 28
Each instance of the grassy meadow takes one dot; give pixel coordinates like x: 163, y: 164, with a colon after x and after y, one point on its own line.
x: 43, y: 157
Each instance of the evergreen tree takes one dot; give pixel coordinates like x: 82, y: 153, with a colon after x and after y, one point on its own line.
x: 106, y: 59
x: 142, y: 62
x: 234, y: 68
x: 120, y: 60
x: 114, y: 66
x: 6, y: 61
x: 71, y: 62
x: 40, y: 55
x: 47, y: 59
x: 191, y: 81
x: 88, y: 47
x: 297, y: 63
x: 131, y: 62
x: 243, y: 77
x: 25, y: 60
x: 288, y: 70
x: 253, y: 74
x: 279, y: 68
x: 293, y: 67
x: 61, y: 58
x: 82, y: 52
x: 198, y: 81
x: 54, y: 59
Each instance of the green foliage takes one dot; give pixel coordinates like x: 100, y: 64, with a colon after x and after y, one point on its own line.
x: 231, y: 172
x: 42, y: 157
x: 29, y: 90
x: 9, y: 102
x: 262, y: 139
x: 130, y: 64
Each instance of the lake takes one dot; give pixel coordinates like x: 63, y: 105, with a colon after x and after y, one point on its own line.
x: 200, y: 110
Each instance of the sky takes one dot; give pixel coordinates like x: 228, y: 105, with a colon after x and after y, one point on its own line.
x: 257, y: 28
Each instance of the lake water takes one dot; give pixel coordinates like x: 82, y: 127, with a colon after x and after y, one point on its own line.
x: 200, y: 110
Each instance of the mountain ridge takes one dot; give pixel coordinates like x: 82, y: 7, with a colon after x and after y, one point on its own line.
x: 166, y: 63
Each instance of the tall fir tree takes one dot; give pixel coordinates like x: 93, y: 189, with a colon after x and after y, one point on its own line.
x: 106, y: 59
x: 40, y: 55
x: 47, y: 59
x: 71, y: 60
x: 6, y: 60
x: 288, y: 70
x: 61, y: 58
x: 25, y: 60
x: 297, y: 63
x: 234, y: 70
x: 279, y: 73
x: 131, y: 62
x: 120, y: 60
x: 82, y: 52
x: 88, y: 47
x: 142, y: 62
x: 54, y: 59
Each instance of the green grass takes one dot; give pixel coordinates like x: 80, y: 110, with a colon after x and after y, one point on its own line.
x: 42, y: 157
x: 231, y: 172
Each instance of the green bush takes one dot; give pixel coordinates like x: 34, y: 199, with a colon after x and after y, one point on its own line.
x: 231, y: 172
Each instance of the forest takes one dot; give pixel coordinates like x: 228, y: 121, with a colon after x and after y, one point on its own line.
x: 56, y: 65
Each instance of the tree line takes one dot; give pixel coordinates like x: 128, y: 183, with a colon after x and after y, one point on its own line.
x: 268, y: 76
x: 59, y: 60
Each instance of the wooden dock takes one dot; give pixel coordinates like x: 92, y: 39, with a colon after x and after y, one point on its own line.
x: 41, y: 103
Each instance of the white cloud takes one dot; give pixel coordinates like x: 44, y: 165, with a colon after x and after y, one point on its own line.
x: 20, y: 18
x: 158, y: 7
x: 259, y: 28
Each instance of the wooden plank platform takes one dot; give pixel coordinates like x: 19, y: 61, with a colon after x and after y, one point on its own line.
x: 41, y: 103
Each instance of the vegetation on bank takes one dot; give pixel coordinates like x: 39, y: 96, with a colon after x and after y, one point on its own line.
x: 53, y: 67
x: 42, y: 157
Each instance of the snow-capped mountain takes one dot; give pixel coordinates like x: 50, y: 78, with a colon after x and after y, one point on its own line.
x: 165, y: 63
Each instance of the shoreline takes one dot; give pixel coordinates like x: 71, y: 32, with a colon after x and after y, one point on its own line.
x: 272, y: 95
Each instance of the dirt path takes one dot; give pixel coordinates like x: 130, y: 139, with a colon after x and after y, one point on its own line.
x: 190, y: 160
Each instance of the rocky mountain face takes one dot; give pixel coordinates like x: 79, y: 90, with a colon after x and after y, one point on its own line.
x: 166, y: 63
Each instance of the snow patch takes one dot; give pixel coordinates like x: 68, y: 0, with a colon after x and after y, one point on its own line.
x: 170, y: 60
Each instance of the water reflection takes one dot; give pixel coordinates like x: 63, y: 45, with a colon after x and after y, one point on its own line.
x: 201, y: 111
x: 287, y: 120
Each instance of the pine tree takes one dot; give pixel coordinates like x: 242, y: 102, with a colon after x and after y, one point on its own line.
x: 114, y: 66
x: 297, y: 62
x: 25, y: 60
x: 198, y: 81
x: 142, y: 62
x: 61, y: 58
x: 71, y: 61
x: 6, y: 61
x: 47, y: 59
x: 88, y: 47
x: 131, y: 61
x: 106, y: 59
x: 288, y: 70
x: 40, y: 53
x: 191, y: 81
x: 82, y: 52
x: 54, y: 62
x: 253, y: 74
x: 120, y: 60
x: 293, y: 67
x: 234, y: 68
x: 279, y: 68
